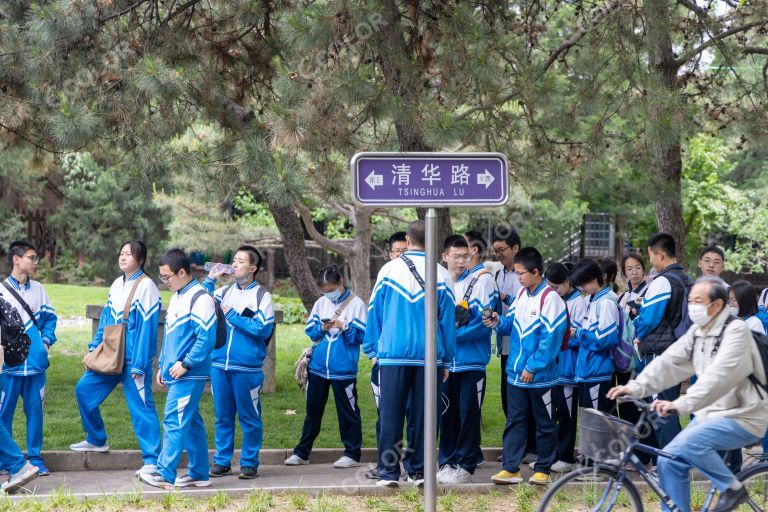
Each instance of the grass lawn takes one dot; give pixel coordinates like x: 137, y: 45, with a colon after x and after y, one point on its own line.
x: 70, y: 300
x: 283, y: 411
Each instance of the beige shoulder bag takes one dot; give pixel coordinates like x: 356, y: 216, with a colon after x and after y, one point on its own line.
x: 109, y: 356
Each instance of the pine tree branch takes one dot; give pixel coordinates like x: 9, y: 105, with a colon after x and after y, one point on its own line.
x: 755, y: 50
x: 121, y: 12
x: 699, y: 11
x: 580, y: 33
x: 716, y: 38
x: 332, y: 245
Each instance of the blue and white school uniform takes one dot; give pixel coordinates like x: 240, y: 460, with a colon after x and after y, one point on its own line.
x: 140, y: 349
x: 463, y: 391
x: 190, y: 336
x: 237, y: 374
x: 536, y: 337
x: 566, y: 393
x: 395, y: 336
x: 597, y: 336
x: 333, y: 366
x: 28, y: 379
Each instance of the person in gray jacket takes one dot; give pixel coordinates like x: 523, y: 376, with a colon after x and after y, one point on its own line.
x: 730, y: 410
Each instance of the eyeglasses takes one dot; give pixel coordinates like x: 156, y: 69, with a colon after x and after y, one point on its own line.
x: 397, y: 252
x: 459, y: 258
x: 521, y: 274
x: 165, y: 279
x: 499, y: 250
x: 33, y: 259
x: 708, y: 261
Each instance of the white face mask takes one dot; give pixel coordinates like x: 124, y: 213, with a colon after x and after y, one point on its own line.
x: 698, y: 314
x: 735, y: 310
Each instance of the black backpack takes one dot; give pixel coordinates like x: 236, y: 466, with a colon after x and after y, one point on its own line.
x: 15, y: 341
x: 221, y: 322
x: 761, y: 340
x: 685, y: 320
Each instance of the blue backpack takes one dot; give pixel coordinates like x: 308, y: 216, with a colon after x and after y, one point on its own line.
x: 762, y: 315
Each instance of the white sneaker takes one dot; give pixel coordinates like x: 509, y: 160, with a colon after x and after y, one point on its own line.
x: 85, y: 446
x: 344, y: 463
x: 458, y: 476
x: 416, y: 480
x: 188, y: 481
x: 388, y: 483
x: 531, y: 465
x: 156, y: 480
x: 445, y: 472
x: 531, y: 457
x: 563, y: 467
x: 22, y: 477
x: 295, y: 460
x: 146, y: 468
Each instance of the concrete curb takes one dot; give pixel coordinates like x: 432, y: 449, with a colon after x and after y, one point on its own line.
x: 117, y: 460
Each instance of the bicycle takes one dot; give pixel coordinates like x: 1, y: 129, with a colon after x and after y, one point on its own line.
x: 604, y: 437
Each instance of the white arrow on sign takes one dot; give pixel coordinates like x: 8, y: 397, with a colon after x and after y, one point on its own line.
x: 374, y: 180
x: 485, y: 179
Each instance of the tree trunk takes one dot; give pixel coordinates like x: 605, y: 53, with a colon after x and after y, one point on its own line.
x: 398, y: 66
x: 665, y: 139
x: 295, y: 252
x: 360, y: 257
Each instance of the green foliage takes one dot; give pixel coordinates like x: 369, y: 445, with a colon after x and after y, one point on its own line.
x: 102, y: 208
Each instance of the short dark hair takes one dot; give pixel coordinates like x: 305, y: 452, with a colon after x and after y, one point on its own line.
x: 454, y: 241
x: 585, y: 271
x: 609, y: 268
x: 176, y: 259
x: 631, y: 256
x: 398, y: 236
x: 476, y: 239
x: 557, y: 273
x: 138, y: 251
x: 715, y: 249
x: 330, y: 274
x: 507, y: 235
x: 746, y: 297
x: 416, y: 232
x: 530, y: 258
x: 663, y: 242
x: 253, y: 256
x: 19, y: 248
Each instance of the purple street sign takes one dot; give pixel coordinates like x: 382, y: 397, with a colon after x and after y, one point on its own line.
x: 429, y: 179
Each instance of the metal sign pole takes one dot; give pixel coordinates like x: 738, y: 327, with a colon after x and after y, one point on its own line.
x: 430, y: 363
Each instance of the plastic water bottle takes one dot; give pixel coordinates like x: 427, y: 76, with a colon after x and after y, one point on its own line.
x: 210, y: 265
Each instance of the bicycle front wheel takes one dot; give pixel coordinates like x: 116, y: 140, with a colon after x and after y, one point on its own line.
x: 755, y: 479
x: 592, y: 489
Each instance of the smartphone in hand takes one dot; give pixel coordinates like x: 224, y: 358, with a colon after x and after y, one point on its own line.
x: 487, y: 313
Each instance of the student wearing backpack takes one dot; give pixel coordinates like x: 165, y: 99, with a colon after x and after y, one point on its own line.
x: 460, y: 423
x: 537, y: 322
x: 184, y: 366
x: 597, y: 336
x: 663, y: 319
x: 566, y: 394
x: 237, y: 373
x: 742, y: 299
x: 140, y: 349
x: 394, y: 335
x: 27, y: 380
x: 728, y: 398
x: 336, y: 326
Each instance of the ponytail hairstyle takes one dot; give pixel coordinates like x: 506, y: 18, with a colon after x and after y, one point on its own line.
x: 138, y: 251
x: 329, y: 275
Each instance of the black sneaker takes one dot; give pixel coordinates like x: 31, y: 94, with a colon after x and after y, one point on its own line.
x: 248, y: 472
x: 217, y: 470
x: 731, y: 499
x: 372, y: 474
